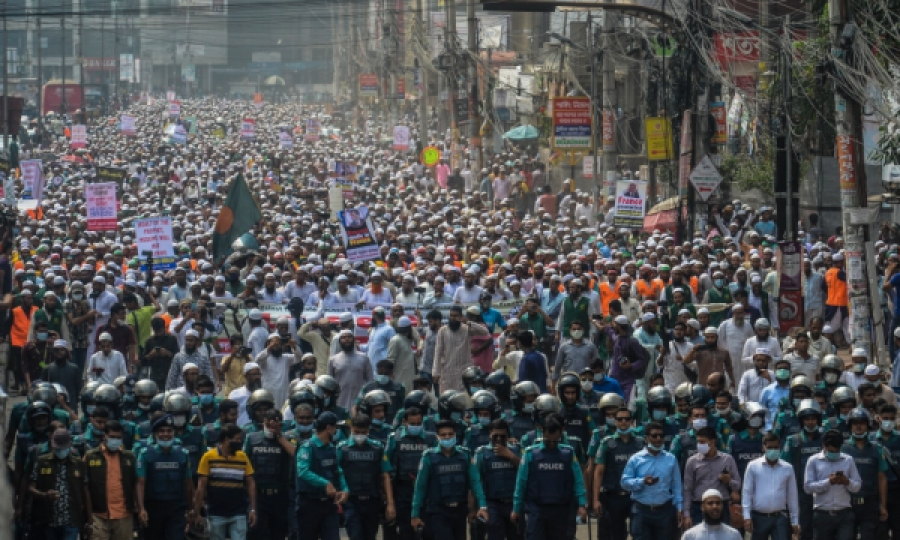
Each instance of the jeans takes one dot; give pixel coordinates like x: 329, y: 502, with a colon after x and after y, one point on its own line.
x: 79, y: 357
x: 62, y: 532
x: 233, y: 527
x: 777, y: 527
x: 836, y: 525
x: 652, y: 523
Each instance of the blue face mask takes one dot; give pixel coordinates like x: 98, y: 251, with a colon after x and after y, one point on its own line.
x: 304, y: 429
x: 377, y: 422
x: 772, y: 454
x: 165, y: 444
x: 61, y: 453
x: 455, y: 416
x: 207, y: 399
x: 382, y: 379
x: 42, y: 336
x: 415, y: 431
x: 113, y: 444
x: 720, y: 283
x: 473, y: 389
x: 659, y: 416
x: 833, y: 456
x: 448, y: 443
x: 655, y: 448
x: 624, y: 431
x: 90, y: 409
x: 484, y: 421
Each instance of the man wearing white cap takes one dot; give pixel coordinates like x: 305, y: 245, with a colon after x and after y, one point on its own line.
x: 714, y: 513
x: 761, y: 339
x: 763, y: 301
x: 837, y: 297
x: 400, y: 352
x: 107, y: 363
x: 376, y: 293
x: 189, y: 354
x: 253, y: 378
x: 275, y: 362
x: 755, y: 380
x: 855, y: 375
x: 100, y: 301
x: 470, y: 292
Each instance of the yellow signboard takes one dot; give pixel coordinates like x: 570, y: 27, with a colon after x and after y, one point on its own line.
x: 659, y: 138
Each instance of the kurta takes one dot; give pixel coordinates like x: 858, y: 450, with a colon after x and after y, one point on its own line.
x: 400, y: 352
x: 452, y: 354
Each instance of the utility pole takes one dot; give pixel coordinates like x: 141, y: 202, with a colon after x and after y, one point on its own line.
x: 40, y: 69
x: 5, y: 82
x: 81, y: 58
x: 472, y: 29
x: 423, y: 80
x: 610, y: 102
x: 858, y: 249
x: 116, y: 53
x: 450, y: 45
x: 596, y: 188
x: 65, y: 106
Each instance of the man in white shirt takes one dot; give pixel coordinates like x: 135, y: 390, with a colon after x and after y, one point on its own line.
x: 855, y: 375
x: 343, y: 295
x: 802, y: 362
x: 469, y: 293
x: 733, y: 334
x: 106, y: 364
x: 270, y: 292
x: 259, y: 333
x: 299, y: 288
x: 755, y: 380
x: 253, y: 377
x: 761, y: 339
x: 769, y: 494
x: 377, y: 294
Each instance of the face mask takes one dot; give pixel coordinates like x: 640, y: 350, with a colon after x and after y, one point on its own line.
x: 207, y: 399
x: 782, y: 374
x: 702, y: 448
x: 382, y: 379
x: 654, y: 447
x: 179, y: 421
x: 455, y: 416
x: 42, y: 336
x: 473, y: 389
x: 887, y: 426
x: 577, y: 334
x: 598, y: 377
x: 796, y: 403
x: 268, y: 433
x: 415, y: 431
x: 62, y: 453
x: 77, y: 297
x: 624, y: 431
x: 611, y: 422
x: 860, y: 435
x: 235, y: 445
x: 720, y: 283
x: 528, y: 407
x: 842, y: 417
x: 90, y: 409
x: 773, y: 454
x: 448, y: 443
x: 378, y: 422
x: 831, y: 378
x: 723, y: 413
x: 113, y: 444
x: 484, y: 421
x: 144, y: 406
x: 360, y: 440
x: 659, y: 416
x: 833, y: 456
x: 165, y: 444
x: 587, y: 386
x: 811, y: 429
x: 755, y: 422
x: 304, y: 428
x: 328, y: 401
x: 698, y: 423
x: 859, y: 368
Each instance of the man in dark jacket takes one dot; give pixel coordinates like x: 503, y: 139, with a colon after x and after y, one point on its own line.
x: 62, y: 503
x: 111, y: 475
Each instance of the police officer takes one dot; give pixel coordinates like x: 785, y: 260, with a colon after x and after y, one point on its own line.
x: 608, y: 405
x: 405, y: 448
x: 300, y: 428
x: 747, y: 445
x: 523, y: 396
x: 869, y: 504
x: 446, y: 477
x: 486, y: 409
x: 93, y: 435
x: 497, y: 463
x: 272, y: 457
x: 830, y: 369
x: 579, y: 423
x: 367, y: 471
x: 320, y: 483
x: 548, y: 484
x: 661, y: 407
x: 421, y: 400
x: 452, y: 406
x: 205, y: 408
x: 376, y: 405
x: 384, y: 382
x: 588, y: 397
x: 87, y: 401
x: 889, y: 440
x: 787, y: 423
x: 544, y: 406
x: 797, y: 450
x: 178, y: 406
x: 309, y: 395
x: 145, y: 428
x: 165, y: 490
x: 331, y: 390
x: 106, y: 395
x: 144, y: 392
x: 843, y: 400
x: 259, y: 403
x: 609, y: 464
x: 500, y: 385
x: 473, y: 379
x: 228, y: 414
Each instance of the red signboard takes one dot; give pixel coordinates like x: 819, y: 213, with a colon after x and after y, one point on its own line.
x: 746, y: 83
x: 609, y: 130
x: 846, y: 163
x: 368, y: 84
x: 736, y: 47
x: 401, y: 88
x: 99, y: 64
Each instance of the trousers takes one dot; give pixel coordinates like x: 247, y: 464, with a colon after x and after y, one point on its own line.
x: 652, y: 523
x: 166, y: 520
x: 317, y: 519
x: 447, y: 524
x: 613, y: 524
x: 777, y: 527
x: 362, y: 518
x: 499, y: 526
x: 543, y: 522
x: 837, y: 525
x: 271, y: 518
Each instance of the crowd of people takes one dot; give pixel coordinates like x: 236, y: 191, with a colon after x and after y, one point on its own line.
x: 512, y: 365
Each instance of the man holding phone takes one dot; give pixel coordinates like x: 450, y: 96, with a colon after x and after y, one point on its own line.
x: 832, y: 480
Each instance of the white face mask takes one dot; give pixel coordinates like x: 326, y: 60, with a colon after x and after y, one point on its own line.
x: 698, y: 423
x: 831, y: 378
x: 702, y: 448
x: 577, y: 334
x: 268, y: 433
x: 179, y: 420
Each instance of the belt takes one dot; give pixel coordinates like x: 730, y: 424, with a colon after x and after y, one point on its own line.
x: 833, y: 512
x: 858, y: 500
x: 451, y: 505
x: 620, y: 493
x: 653, y: 506
x: 269, y: 491
x: 313, y: 498
x: 361, y: 497
x: 768, y: 514
x: 504, y: 501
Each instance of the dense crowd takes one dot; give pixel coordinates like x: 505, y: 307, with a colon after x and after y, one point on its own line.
x: 513, y: 364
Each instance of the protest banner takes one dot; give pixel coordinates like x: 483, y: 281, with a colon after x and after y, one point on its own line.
x: 286, y: 140
x: 32, y: 184
x: 112, y: 174
x: 79, y: 136
x: 313, y: 130
x: 174, y: 109
x: 358, y: 234
x: 401, y: 138
x: 154, y: 235
x: 7, y: 184
x: 100, y: 200
x: 631, y: 198
x: 248, y: 128
x: 127, y: 125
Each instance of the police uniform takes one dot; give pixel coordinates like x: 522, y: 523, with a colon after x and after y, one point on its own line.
x: 579, y: 428
x: 520, y: 424
x: 295, y: 436
x: 442, y: 492
x: 210, y: 434
x: 271, y: 472
x: 838, y: 423
x: 600, y: 432
x: 396, y: 391
x: 787, y: 423
x: 890, y: 445
x: 614, y: 454
x: 200, y: 416
x: 191, y: 439
x: 164, y: 471
x: 379, y: 433
x: 744, y: 448
x: 317, y: 466
x: 797, y: 450
x: 477, y: 436
x: 363, y: 466
x: 498, y: 476
x: 90, y: 440
x: 865, y: 503
x: 404, y: 452
x: 670, y: 431
x: 548, y: 485
x: 590, y: 401
x: 428, y: 420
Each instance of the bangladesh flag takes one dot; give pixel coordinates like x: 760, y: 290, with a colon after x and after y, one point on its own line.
x: 238, y: 216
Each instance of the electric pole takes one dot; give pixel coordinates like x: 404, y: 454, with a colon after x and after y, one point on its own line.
x: 472, y: 29
x: 40, y: 70
x: 610, y: 103
x: 423, y: 80
x: 65, y: 106
x: 5, y: 83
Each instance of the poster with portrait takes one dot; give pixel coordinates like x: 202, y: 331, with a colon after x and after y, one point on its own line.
x: 631, y: 199
x: 358, y: 234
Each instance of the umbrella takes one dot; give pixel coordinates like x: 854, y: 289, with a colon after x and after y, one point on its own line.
x: 274, y: 80
x: 522, y: 133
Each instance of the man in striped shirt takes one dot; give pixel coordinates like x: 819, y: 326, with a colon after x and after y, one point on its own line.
x: 224, y: 472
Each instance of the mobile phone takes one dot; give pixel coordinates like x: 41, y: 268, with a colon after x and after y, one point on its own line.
x: 839, y: 473
x: 157, y: 348
x: 597, y: 317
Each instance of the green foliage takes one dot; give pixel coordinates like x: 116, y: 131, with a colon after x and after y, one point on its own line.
x: 888, y: 150
x: 745, y: 172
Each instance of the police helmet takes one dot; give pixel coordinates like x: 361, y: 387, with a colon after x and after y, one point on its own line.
x: 610, y: 399
x: 374, y: 399
x: 453, y: 401
x: 419, y: 399
x: 802, y: 381
x: 329, y: 384
x: 176, y: 402
x: 683, y: 391
x: 87, y: 393
x: 473, y: 374
x: 521, y: 391
x: 257, y: 398
x: 858, y: 415
x: 568, y: 380
x: 659, y: 396
x: 156, y: 404
x: 304, y: 395
x: 843, y: 395
x: 501, y: 384
x: 751, y: 408
x: 700, y: 396
x: 108, y: 396
x: 483, y: 400
x: 809, y: 407
x: 61, y: 391
x: 831, y: 361
x: 44, y: 392
x: 545, y: 404
x: 145, y: 388
x: 119, y: 381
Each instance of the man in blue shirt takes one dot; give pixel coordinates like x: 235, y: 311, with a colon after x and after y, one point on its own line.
x: 604, y: 384
x: 892, y: 286
x: 654, y: 480
x: 533, y: 366
x: 379, y: 337
x: 491, y: 317
x: 772, y: 395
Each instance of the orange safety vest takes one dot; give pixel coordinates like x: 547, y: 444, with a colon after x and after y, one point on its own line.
x: 837, y: 289
x: 18, y: 334
x: 695, y: 285
x: 608, y: 294
x: 649, y: 290
x: 166, y: 317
